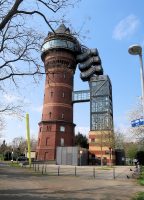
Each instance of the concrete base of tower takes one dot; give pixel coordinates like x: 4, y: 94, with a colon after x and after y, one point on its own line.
x: 101, y: 146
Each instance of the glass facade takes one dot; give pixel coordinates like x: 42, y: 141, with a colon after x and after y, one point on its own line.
x: 59, y: 43
x: 101, y: 103
x: 81, y: 96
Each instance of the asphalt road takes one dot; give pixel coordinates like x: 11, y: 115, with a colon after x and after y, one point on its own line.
x: 26, y: 184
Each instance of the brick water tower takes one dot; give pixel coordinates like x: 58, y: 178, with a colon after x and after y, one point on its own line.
x: 56, y: 127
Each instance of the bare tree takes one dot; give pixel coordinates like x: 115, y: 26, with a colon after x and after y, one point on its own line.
x: 119, y: 139
x: 136, y: 113
x: 105, y: 140
x: 2, y: 126
x: 19, y: 145
x: 21, y: 39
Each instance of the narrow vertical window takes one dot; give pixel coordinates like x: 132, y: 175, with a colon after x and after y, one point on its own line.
x: 63, y: 94
x: 48, y: 128
x: 50, y: 114
x: 64, y: 75
x: 62, y: 116
x: 39, y: 142
x: 47, y: 141
x: 62, y: 142
x: 51, y: 93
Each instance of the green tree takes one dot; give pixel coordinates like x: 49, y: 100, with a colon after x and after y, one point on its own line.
x: 131, y: 149
x: 81, y: 140
x: 3, y: 147
x: 140, y: 157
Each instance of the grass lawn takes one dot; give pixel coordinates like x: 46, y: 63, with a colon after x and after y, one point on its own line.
x: 141, y: 179
x: 140, y: 195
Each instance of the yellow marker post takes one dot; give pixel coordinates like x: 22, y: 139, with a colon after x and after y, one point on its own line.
x: 28, y: 138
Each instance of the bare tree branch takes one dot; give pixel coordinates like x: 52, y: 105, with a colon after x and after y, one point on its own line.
x: 36, y: 12
x: 10, y: 14
x: 20, y: 43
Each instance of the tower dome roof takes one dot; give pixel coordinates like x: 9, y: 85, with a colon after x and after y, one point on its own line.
x: 62, y: 29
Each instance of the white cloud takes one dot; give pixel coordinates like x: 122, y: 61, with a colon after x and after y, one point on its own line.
x: 10, y: 98
x: 37, y: 108
x: 126, y: 27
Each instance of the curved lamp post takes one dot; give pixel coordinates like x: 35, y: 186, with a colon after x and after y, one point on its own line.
x: 137, y: 50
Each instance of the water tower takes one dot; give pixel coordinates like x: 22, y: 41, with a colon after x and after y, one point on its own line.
x: 56, y: 127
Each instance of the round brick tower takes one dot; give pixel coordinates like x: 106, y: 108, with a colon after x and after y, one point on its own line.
x: 56, y: 127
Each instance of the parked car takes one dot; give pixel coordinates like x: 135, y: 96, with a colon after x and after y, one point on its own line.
x: 22, y: 158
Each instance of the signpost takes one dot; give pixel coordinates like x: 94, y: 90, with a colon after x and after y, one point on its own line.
x: 137, y: 122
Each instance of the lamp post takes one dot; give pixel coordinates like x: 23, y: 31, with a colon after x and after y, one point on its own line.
x: 137, y: 50
x: 12, y: 155
x: 81, y: 157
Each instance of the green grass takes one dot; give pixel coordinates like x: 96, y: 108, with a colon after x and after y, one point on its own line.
x: 141, y: 179
x: 14, y: 164
x: 1, y: 157
x: 139, y: 196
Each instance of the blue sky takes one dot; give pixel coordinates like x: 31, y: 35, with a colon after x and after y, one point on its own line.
x: 111, y: 27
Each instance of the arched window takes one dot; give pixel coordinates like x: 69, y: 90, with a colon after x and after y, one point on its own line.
x: 38, y: 141
x: 47, y: 141
x: 51, y: 93
x: 48, y: 128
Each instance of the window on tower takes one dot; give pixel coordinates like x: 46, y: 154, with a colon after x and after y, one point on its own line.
x: 48, y: 128
x: 62, y: 142
x: 62, y: 129
x: 51, y: 93
x: 39, y: 142
x: 92, y: 140
x: 47, y: 139
x: 63, y: 94
x: 50, y: 114
x: 62, y: 116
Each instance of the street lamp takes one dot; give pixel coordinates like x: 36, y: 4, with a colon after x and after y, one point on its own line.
x: 81, y: 152
x: 137, y: 50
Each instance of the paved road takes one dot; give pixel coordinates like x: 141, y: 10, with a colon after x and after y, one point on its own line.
x: 25, y: 184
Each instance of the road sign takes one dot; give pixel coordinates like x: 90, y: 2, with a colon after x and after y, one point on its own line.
x: 137, y: 122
